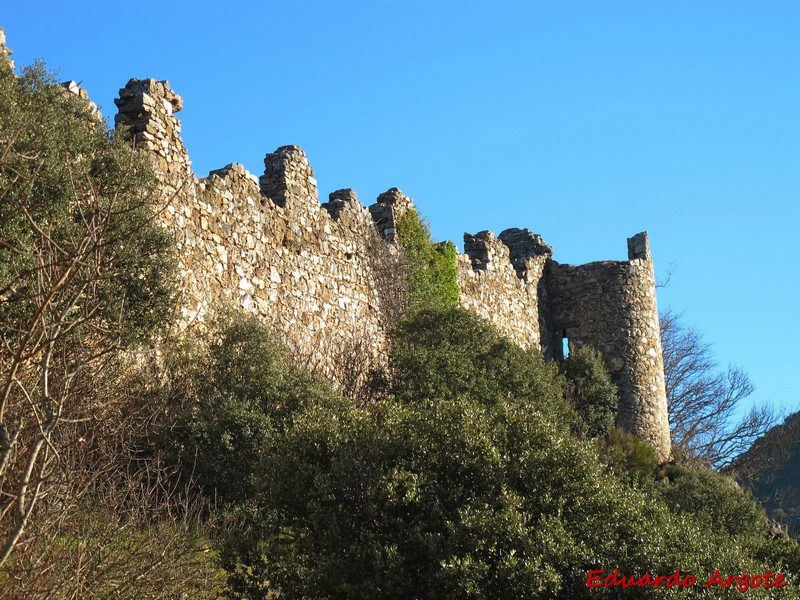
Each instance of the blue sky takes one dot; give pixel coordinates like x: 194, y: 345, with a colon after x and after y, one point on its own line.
x: 584, y: 121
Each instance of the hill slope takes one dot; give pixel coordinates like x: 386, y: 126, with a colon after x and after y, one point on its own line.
x: 771, y: 469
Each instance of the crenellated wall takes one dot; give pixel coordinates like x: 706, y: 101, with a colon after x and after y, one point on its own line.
x: 500, y: 279
x: 319, y: 273
x: 265, y: 245
x: 268, y: 246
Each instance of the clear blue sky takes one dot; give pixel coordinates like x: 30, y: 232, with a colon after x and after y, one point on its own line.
x: 584, y: 121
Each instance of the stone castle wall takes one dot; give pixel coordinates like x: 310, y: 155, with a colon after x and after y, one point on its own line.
x: 501, y: 279
x: 268, y: 246
x: 264, y: 245
x: 318, y: 272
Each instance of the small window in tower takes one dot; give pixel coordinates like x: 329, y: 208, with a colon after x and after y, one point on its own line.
x: 564, y: 344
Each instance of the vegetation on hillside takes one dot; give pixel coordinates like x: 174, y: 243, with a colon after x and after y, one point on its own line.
x: 464, y: 479
x: 471, y: 468
x: 86, y: 282
x: 770, y: 469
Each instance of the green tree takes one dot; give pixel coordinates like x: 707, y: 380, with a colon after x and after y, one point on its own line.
x: 246, y: 392
x: 86, y: 272
x: 451, y: 353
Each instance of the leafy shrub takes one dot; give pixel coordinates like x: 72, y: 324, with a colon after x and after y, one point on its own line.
x: 451, y: 353
x: 713, y: 499
x: 464, y: 482
x: 431, y: 266
x: 248, y: 390
x: 590, y: 390
x: 628, y: 456
x: 453, y: 499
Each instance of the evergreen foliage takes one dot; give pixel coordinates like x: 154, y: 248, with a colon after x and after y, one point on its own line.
x: 246, y: 391
x: 85, y: 273
x: 590, y: 390
x: 448, y: 354
x: 431, y: 267
x: 465, y: 481
x: 76, y: 214
x: 714, y: 498
x: 629, y: 456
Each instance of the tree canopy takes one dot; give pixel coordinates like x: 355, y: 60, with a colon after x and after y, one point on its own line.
x: 463, y: 479
x: 86, y: 272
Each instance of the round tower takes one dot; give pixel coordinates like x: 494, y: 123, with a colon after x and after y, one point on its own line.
x: 611, y: 306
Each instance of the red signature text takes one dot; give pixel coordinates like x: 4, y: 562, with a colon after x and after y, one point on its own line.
x: 599, y: 578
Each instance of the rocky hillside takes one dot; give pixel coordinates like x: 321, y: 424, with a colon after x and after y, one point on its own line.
x: 771, y: 469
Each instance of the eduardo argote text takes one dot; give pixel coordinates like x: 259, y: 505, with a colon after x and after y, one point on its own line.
x: 598, y: 578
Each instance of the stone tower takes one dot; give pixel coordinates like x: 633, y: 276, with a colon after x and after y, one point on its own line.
x: 512, y: 281
x: 611, y: 306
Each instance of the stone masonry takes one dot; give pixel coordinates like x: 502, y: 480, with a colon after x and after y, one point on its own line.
x: 611, y: 306
x: 5, y: 53
x: 264, y: 245
x: 314, y: 271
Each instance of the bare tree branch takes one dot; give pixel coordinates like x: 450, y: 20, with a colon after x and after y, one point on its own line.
x: 705, y: 402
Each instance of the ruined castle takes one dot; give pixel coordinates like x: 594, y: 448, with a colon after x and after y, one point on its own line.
x: 267, y: 246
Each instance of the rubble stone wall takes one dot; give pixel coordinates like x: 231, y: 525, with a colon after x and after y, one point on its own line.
x: 499, y: 279
x: 266, y: 246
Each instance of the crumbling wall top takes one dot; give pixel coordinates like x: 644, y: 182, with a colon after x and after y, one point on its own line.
x: 339, y: 200
x: 288, y: 178
x: 233, y: 171
x: 483, y: 249
x: 5, y: 53
x: 391, y: 205
x: 639, y: 247
x: 138, y: 93
x: 524, y: 245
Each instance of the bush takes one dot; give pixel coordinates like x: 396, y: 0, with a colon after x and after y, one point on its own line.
x: 450, y: 353
x: 431, y: 267
x: 713, y: 499
x: 629, y: 456
x: 454, y: 499
x: 247, y: 391
x: 463, y: 482
x: 590, y: 390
